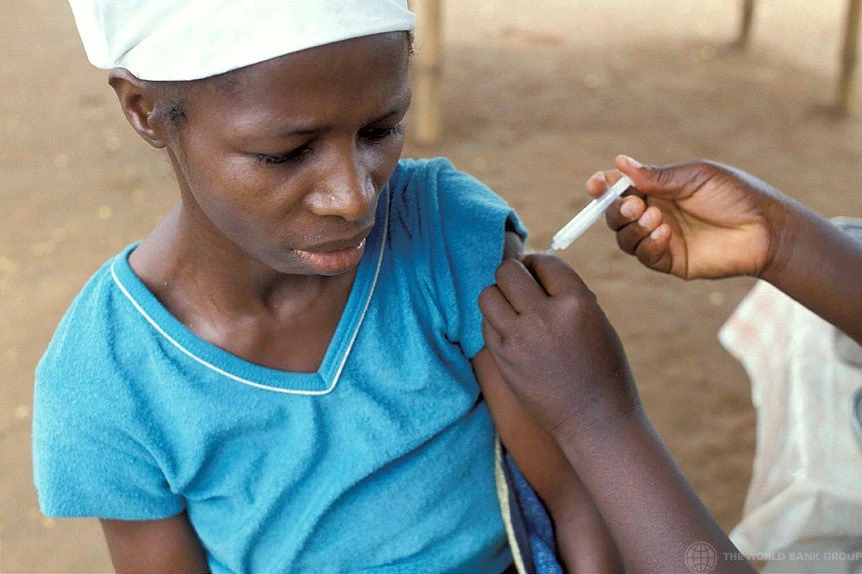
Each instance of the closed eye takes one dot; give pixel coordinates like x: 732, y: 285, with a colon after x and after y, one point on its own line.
x: 371, y: 135
x: 375, y: 135
x: 292, y: 155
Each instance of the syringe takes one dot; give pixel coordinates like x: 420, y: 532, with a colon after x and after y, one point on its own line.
x: 588, y: 215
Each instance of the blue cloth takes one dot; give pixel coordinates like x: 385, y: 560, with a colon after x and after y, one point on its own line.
x: 383, y: 460
x: 540, y: 529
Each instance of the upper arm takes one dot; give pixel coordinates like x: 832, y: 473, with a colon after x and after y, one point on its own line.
x: 583, y: 541
x: 168, y: 545
x: 534, y: 449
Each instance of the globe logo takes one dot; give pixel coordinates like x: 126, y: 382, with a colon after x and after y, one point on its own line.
x: 700, y: 558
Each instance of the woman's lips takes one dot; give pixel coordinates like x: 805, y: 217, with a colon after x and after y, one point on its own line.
x: 334, y: 261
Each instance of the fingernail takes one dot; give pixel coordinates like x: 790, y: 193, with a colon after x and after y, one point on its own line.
x: 656, y: 233
x: 628, y: 208
x: 632, y: 162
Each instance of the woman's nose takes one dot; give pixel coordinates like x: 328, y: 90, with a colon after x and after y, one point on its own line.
x: 346, y: 190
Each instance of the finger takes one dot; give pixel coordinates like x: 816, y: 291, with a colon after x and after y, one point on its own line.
x: 496, y: 309
x: 653, y: 250
x: 493, y: 338
x: 624, y: 211
x: 553, y: 274
x: 519, y: 286
x: 599, y: 182
x: 630, y: 236
x: 671, y: 181
x: 513, y: 246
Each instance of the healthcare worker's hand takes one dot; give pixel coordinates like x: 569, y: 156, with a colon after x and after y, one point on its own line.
x: 695, y: 220
x: 555, y: 348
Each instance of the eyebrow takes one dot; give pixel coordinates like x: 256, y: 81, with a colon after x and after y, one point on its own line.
x: 289, y: 133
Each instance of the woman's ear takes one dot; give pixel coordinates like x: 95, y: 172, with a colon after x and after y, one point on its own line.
x: 138, y: 100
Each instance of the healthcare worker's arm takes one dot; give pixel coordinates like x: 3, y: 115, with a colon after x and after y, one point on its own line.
x: 145, y: 546
x: 703, y: 219
x: 563, y: 361
x: 583, y: 542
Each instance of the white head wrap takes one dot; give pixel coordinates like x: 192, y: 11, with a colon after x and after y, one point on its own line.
x: 192, y: 39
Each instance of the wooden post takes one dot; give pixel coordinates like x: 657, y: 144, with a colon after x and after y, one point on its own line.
x: 427, y: 66
x: 848, y: 57
x: 745, y: 25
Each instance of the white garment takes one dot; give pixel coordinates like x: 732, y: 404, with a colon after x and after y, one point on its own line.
x: 807, y: 476
x: 174, y: 40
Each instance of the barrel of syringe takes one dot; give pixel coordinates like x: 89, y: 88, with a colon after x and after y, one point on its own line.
x: 589, y: 215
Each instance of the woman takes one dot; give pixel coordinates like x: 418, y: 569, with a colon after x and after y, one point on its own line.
x: 283, y: 374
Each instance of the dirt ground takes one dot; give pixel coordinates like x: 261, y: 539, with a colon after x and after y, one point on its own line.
x: 538, y: 94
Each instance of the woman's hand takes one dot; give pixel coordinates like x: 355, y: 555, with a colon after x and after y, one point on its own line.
x: 695, y: 220
x: 554, y: 346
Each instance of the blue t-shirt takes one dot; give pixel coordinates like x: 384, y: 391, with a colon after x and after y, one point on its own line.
x: 383, y: 460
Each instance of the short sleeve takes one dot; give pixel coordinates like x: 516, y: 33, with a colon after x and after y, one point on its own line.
x: 466, y: 225
x: 87, y: 462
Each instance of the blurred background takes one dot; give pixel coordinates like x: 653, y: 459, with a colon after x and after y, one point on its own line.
x: 535, y: 95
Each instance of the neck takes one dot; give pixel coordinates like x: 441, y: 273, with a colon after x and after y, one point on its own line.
x: 193, y: 269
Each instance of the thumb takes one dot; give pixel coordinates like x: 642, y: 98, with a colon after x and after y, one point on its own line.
x: 671, y: 182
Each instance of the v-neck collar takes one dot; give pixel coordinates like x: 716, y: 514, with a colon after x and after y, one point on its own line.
x: 233, y: 368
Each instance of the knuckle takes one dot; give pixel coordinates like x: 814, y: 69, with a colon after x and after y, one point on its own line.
x: 649, y: 257
x: 708, y: 167
x: 696, y: 173
x: 643, y: 257
x: 532, y: 324
x: 620, y: 241
x: 664, y: 176
x: 544, y: 263
x: 571, y: 306
x: 533, y: 259
x: 505, y: 270
x: 491, y: 338
x: 626, y: 240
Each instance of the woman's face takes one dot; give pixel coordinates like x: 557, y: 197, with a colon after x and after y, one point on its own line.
x: 286, y: 159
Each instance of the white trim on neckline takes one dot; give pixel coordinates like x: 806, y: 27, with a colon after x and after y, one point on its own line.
x: 231, y: 376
